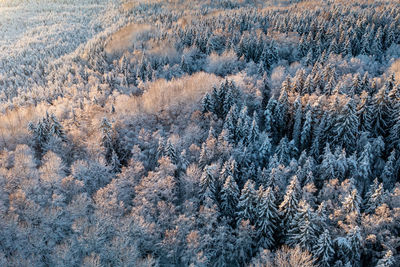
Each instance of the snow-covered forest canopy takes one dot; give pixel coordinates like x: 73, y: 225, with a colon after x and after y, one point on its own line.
x: 200, y: 133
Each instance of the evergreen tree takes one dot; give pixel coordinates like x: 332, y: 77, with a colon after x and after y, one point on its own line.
x: 363, y: 112
x: 387, y: 261
x: 302, y: 230
x: 297, y: 121
x: 281, y: 112
x: 267, y: 217
x: 381, y: 113
x: 388, y: 175
x: 376, y: 197
x: 208, y: 182
x: 107, y: 139
x: 346, y: 127
x: 207, y: 103
x: 56, y: 128
x: 229, y: 196
x: 364, y: 163
x: 354, y: 240
x: 232, y: 95
x: 246, y: 205
x: 352, y: 202
x: 306, y: 131
x: 171, y: 152
x: 115, y: 164
x: 230, y: 124
x: 323, y: 249
x: 327, y: 167
x: 289, y: 205
x: 254, y: 131
x: 356, y: 86
x: 265, y: 149
x: 394, y: 138
x: 283, y: 151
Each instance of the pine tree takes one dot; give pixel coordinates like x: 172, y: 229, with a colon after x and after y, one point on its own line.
x: 225, y: 171
x: 207, y: 103
x: 345, y: 129
x: 299, y: 81
x: 394, y: 138
x: 115, y: 164
x: 356, y: 86
x: 327, y: 167
x: 387, y: 261
x: 388, y: 175
x: 306, y: 131
x: 254, y: 131
x: 243, y: 125
x: 317, y: 136
x: 297, y: 121
x: 354, y: 240
x: 365, y: 85
x: 376, y: 197
x: 267, y: 217
x: 56, y: 128
x: 381, y: 113
x: 246, y: 205
x: 281, y: 112
x: 323, y: 249
x: 230, y: 124
x: 160, y: 148
x: 265, y: 149
x: 208, y: 181
x: 308, y: 86
x: 171, y: 152
x: 283, y: 152
x: 352, y: 202
x: 289, y: 205
x: 231, y: 96
x: 363, y: 112
x: 40, y: 137
x: 364, y: 163
x: 107, y: 139
x: 229, y: 196
x: 302, y: 229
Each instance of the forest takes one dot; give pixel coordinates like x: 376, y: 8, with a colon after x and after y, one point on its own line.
x: 200, y: 133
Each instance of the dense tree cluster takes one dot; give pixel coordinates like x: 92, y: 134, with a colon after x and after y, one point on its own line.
x: 259, y: 135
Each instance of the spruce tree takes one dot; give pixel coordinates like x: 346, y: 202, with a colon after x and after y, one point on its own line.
x: 289, y: 205
x: 323, y: 249
x: 302, y: 230
x: 246, y: 205
x: 56, y: 128
x: 207, y: 103
x: 351, y: 202
x: 354, y: 240
x: 345, y: 129
x: 283, y: 151
x: 363, y: 112
x: 115, y: 164
x: 208, y: 181
x: 388, y: 175
x: 306, y: 131
x: 267, y: 217
x: 376, y: 197
x: 107, y: 139
x: 387, y: 261
x: 229, y: 197
x: 380, y: 113
x: 297, y: 121
x: 394, y: 138
x: 327, y: 167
